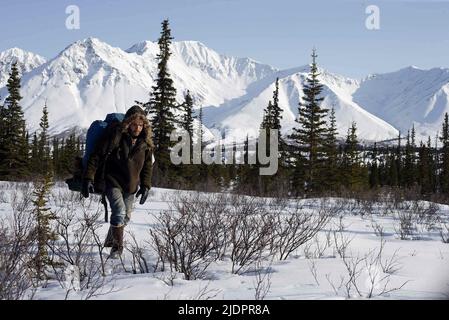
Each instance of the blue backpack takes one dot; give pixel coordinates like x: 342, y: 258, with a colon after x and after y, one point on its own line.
x: 98, y: 129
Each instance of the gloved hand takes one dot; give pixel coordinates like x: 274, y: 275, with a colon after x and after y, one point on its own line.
x: 143, y: 191
x: 88, y: 187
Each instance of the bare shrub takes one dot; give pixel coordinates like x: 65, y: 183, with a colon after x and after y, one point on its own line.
x: 389, y: 265
x: 319, y: 248
x: 204, y: 293
x: 377, y: 228
x: 300, y: 225
x: 406, y: 227
x: 262, y: 282
x: 426, y: 214
x: 186, y: 237
x: 314, y: 271
x: 376, y: 269
x: 74, y: 253
x: 140, y: 262
x: 251, y: 231
x: 18, y: 278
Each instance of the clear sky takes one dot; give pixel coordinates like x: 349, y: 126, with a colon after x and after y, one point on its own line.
x: 277, y: 32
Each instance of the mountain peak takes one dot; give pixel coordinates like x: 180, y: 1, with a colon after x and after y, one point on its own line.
x: 141, y: 47
x: 26, y: 61
x: 20, y: 54
x: 90, y: 42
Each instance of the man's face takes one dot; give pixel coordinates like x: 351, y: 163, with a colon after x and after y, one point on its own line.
x: 135, y: 128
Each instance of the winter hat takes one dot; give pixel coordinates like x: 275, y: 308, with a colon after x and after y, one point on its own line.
x: 134, y: 110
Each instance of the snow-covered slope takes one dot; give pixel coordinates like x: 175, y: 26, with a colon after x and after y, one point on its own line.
x: 406, y: 97
x: 212, y: 78
x: 26, y: 62
x: 244, y: 115
x: 90, y: 78
x: 84, y: 82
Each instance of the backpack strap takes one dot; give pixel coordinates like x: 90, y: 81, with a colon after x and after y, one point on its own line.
x: 105, y: 204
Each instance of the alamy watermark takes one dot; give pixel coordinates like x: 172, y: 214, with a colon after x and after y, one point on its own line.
x: 72, y: 22
x: 372, y: 22
x: 181, y: 154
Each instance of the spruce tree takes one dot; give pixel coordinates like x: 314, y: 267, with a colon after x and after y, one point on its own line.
x: 272, y: 120
x: 408, y: 175
x: 374, y: 175
x: 35, y: 165
x: 161, y: 106
x: 202, y: 167
x: 14, y: 160
x: 68, y: 155
x: 187, y: 171
x: 187, y: 116
x: 43, y: 216
x: 399, y: 162
x: 433, y: 159
x: 352, y: 170
x: 311, y: 134
x: 274, y: 113
x: 331, y: 181
x: 24, y: 154
x: 444, y: 164
x: 424, y: 168
x: 44, y: 153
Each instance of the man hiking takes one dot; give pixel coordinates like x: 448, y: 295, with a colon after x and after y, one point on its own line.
x: 126, y: 150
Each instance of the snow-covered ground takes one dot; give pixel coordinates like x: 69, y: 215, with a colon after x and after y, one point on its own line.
x: 316, y: 270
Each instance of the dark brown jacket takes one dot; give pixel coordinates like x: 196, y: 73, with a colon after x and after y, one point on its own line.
x: 127, y: 166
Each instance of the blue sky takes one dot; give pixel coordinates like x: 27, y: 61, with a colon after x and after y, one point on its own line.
x: 277, y: 32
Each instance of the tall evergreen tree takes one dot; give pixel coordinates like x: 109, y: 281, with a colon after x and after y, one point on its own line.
x: 331, y: 181
x: 161, y: 107
x: 24, y: 154
x: 43, y: 216
x: 14, y: 160
x: 35, y: 165
x: 187, y: 116
x: 398, y: 158
x: 424, y: 168
x: 202, y: 167
x: 409, y: 174
x: 311, y: 133
x: 68, y: 155
x: 44, y: 151
x: 433, y: 165
x: 353, y: 172
x: 275, y: 112
x: 374, y: 175
x: 444, y: 163
x: 272, y: 121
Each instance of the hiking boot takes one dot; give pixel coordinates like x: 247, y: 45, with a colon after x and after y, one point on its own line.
x: 108, y: 241
x: 117, y: 241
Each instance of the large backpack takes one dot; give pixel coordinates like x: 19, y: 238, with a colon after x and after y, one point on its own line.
x: 96, y: 131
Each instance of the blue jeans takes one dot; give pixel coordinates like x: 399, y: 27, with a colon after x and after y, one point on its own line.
x: 121, y: 206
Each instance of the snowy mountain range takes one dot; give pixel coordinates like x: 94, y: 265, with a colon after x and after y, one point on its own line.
x: 90, y: 78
